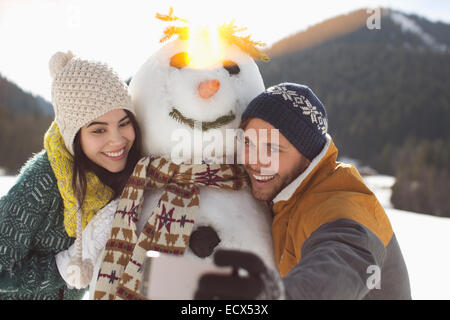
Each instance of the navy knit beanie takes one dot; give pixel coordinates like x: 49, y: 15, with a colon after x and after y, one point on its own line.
x: 296, y: 111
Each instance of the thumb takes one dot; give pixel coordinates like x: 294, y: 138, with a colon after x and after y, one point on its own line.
x: 240, y: 259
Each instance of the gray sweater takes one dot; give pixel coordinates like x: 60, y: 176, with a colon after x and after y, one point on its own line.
x: 344, y: 260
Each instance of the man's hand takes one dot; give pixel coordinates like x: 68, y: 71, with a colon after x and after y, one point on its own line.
x: 258, y: 283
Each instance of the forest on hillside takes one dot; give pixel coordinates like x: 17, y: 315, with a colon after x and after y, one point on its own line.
x: 24, y: 119
x: 388, y: 106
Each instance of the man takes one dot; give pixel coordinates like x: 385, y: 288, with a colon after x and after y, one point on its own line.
x: 332, y: 238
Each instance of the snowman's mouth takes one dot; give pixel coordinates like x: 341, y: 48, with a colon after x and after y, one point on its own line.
x: 206, y: 125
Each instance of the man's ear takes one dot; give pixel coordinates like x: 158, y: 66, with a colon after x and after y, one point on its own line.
x: 307, y: 162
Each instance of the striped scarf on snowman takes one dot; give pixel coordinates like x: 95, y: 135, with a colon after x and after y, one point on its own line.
x: 169, y: 226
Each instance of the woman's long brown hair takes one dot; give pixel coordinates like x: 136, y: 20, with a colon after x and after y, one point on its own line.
x: 116, y: 181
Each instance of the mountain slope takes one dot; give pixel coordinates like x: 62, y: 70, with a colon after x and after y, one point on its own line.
x: 23, y: 121
x: 414, y: 30
x: 387, y: 92
x: 21, y: 102
x: 380, y: 87
x: 322, y: 32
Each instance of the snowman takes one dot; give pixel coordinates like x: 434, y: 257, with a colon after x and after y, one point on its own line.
x: 189, y: 95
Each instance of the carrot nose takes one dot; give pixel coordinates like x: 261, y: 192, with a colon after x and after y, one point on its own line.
x: 208, y: 88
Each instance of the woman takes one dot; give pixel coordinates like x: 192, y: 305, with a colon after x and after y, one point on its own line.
x: 89, y: 152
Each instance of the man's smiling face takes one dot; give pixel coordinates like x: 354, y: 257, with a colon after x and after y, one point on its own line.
x: 258, y: 141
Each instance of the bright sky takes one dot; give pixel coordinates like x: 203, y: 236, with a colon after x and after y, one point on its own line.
x: 125, y: 33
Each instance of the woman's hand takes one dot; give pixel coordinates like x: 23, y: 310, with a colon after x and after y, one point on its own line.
x: 94, y: 238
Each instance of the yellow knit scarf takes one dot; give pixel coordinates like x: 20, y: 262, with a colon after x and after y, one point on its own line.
x: 61, y: 161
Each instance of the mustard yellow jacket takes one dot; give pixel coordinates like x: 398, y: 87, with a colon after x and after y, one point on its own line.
x: 332, y: 238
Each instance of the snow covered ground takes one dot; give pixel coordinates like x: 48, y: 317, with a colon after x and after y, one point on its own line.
x: 423, y: 240
x: 6, y: 183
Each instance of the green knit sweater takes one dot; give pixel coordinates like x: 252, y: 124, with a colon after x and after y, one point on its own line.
x: 31, y: 234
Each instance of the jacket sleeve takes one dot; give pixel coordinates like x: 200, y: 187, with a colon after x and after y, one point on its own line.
x: 23, y: 269
x: 338, y: 261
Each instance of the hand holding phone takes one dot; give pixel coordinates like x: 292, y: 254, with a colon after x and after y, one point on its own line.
x: 169, y: 277
x: 249, y: 280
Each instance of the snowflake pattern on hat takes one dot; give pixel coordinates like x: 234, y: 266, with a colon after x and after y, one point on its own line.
x: 299, y: 101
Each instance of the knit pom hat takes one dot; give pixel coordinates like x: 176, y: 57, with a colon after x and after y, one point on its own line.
x: 297, y: 112
x: 82, y: 91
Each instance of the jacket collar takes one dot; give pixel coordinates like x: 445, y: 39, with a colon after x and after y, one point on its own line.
x: 286, y: 193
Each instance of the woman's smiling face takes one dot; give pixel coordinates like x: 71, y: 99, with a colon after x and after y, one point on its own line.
x: 108, y: 139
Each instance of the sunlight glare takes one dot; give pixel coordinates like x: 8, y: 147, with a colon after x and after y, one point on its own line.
x: 205, y: 48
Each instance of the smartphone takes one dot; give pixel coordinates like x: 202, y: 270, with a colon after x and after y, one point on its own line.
x: 169, y: 277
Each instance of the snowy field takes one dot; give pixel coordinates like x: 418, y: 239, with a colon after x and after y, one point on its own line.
x: 423, y: 240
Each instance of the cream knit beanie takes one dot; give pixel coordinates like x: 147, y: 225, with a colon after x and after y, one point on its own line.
x: 82, y: 91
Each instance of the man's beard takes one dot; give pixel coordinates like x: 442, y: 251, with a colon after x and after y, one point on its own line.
x: 273, y: 187
x: 268, y: 194
x: 278, y: 183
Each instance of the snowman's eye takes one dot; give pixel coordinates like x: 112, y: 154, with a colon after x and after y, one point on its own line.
x: 231, y: 67
x: 180, y: 60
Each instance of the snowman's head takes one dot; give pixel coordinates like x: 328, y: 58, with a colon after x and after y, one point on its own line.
x: 191, y: 84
